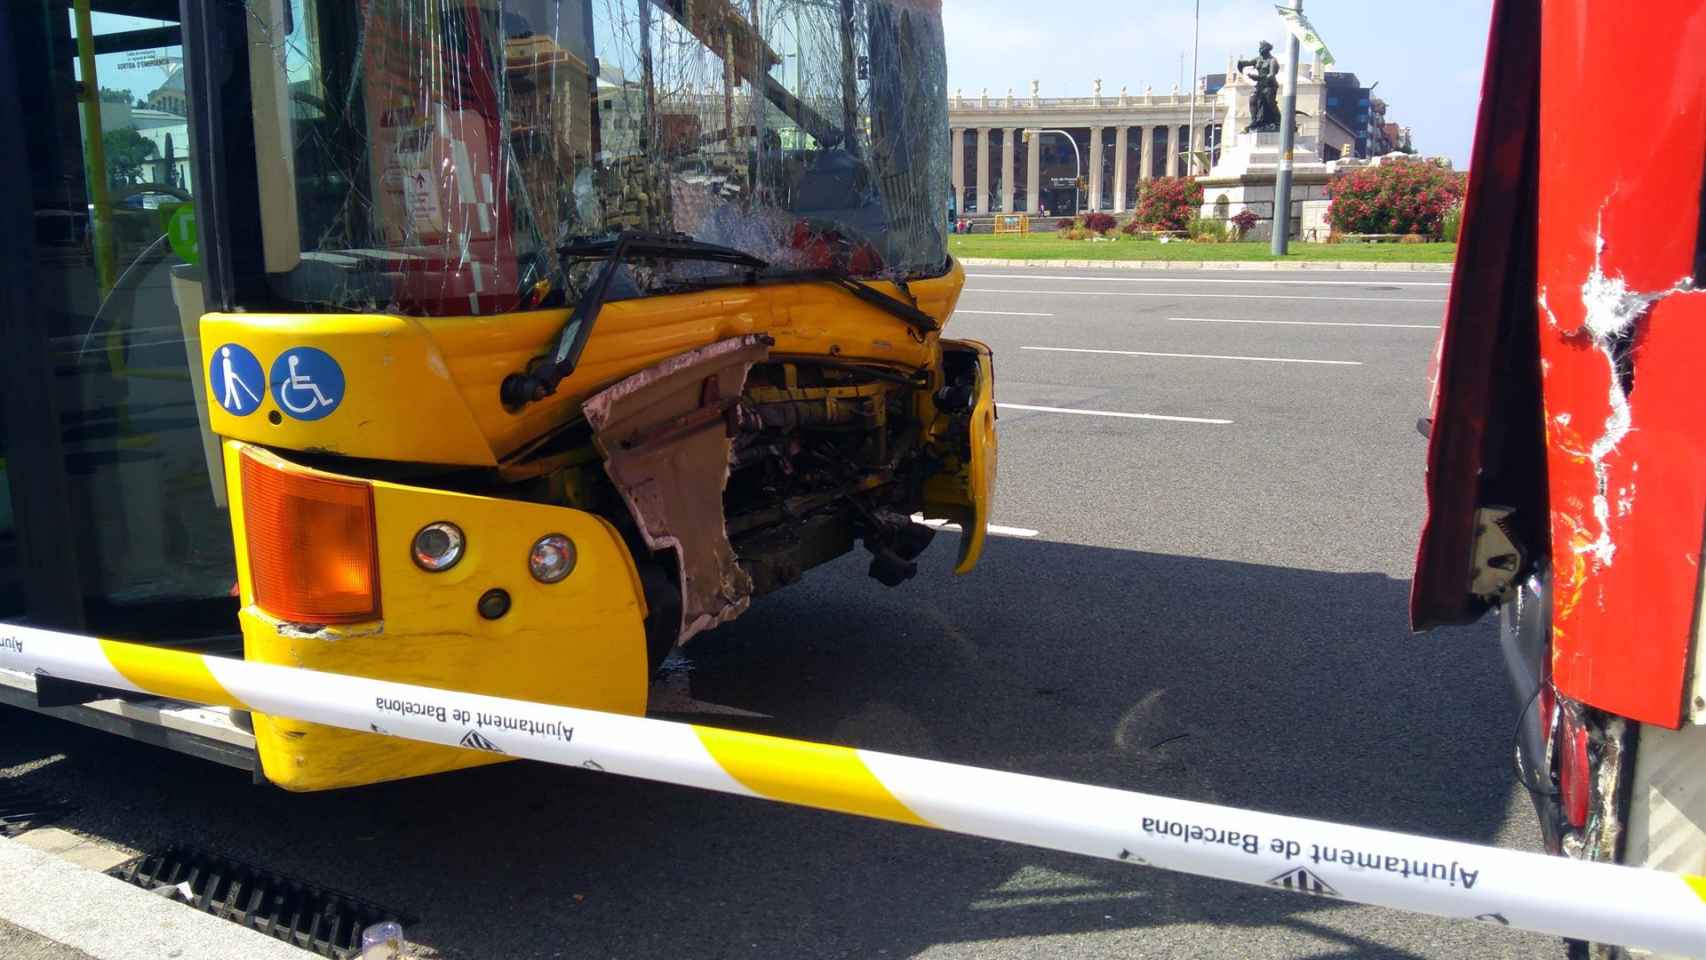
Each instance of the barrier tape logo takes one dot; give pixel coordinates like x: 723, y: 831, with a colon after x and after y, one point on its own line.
x: 474, y: 740
x: 1302, y: 881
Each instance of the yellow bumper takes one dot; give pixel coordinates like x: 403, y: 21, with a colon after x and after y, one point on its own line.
x: 965, y: 491
x: 580, y: 642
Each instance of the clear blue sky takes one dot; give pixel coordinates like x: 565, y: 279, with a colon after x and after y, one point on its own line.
x: 1427, y: 56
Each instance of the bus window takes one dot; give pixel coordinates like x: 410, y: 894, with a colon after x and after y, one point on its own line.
x: 116, y: 284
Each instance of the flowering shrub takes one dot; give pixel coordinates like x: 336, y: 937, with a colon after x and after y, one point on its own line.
x: 1398, y: 196
x: 1169, y: 203
x: 1065, y: 223
x: 1245, y: 220
x: 1102, y: 223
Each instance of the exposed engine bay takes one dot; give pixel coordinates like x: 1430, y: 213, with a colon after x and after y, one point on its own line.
x: 732, y: 471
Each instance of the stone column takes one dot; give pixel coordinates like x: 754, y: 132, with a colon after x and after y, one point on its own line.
x: 1122, y: 145
x: 980, y: 189
x: 1147, y: 151
x: 1093, y: 201
x: 1034, y: 174
x: 1172, y: 149
x: 1007, y: 170
x: 958, y: 135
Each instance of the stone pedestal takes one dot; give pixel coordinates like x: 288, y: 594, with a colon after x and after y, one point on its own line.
x: 1243, y: 178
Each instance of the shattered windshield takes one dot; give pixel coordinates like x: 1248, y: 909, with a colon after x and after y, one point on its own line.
x: 431, y: 157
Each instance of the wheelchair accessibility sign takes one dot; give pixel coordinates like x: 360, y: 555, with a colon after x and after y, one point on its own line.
x: 306, y: 383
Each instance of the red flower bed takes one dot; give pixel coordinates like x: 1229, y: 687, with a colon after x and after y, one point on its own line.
x: 1399, y: 196
x: 1168, y: 203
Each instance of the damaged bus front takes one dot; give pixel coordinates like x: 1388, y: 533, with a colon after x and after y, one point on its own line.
x: 551, y: 333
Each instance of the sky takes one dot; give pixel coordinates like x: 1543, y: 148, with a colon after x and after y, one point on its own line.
x: 1427, y: 57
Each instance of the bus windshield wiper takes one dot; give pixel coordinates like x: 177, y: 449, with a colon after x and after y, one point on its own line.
x: 545, y: 373
x: 915, y: 318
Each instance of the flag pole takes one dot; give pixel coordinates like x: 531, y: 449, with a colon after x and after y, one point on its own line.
x: 1196, y: 49
x: 1288, y: 136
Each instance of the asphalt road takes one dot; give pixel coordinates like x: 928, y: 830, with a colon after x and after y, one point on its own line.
x: 1210, y: 607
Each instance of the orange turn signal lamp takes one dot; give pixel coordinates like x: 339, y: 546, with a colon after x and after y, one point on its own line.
x: 313, y: 550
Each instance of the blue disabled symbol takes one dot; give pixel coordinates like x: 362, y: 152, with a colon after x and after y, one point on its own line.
x: 236, y: 378
x: 307, y: 383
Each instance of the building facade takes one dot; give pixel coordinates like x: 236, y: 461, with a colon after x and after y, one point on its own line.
x: 1058, y: 156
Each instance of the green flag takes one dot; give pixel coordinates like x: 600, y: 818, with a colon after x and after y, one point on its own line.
x: 1304, y: 31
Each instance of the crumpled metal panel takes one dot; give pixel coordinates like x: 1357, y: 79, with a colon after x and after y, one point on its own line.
x: 438, y: 152
x: 1622, y: 336
x: 665, y: 436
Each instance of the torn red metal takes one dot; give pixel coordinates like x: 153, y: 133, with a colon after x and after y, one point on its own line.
x: 1621, y: 343
x: 665, y: 435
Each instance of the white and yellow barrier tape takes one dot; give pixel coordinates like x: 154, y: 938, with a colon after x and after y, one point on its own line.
x: 1598, y: 902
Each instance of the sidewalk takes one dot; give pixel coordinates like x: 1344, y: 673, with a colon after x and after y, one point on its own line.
x: 1381, y: 266
x: 51, y: 909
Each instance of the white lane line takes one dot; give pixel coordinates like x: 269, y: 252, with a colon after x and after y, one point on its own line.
x: 1002, y: 313
x: 1107, y: 413
x: 1313, y: 323
x: 1196, y: 356
x: 1294, y: 283
x: 1205, y: 296
x: 995, y: 530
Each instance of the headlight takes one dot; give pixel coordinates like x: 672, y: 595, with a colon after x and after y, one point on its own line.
x: 552, y: 558
x: 438, y: 547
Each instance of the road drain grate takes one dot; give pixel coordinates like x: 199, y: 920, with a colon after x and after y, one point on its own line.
x: 324, y: 921
x: 22, y: 810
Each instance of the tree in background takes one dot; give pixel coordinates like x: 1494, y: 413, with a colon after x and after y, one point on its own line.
x: 1398, y: 196
x: 170, y: 162
x: 110, y: 95
x: 1168, y: 203
x: 127, y: 151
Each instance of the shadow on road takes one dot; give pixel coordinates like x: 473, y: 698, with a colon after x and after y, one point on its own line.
x: 1277, y: 688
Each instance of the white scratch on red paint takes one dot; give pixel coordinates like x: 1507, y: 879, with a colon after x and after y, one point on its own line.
x: 1610, y: 311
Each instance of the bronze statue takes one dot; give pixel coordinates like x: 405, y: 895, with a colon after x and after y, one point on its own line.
x: 1264, y: 103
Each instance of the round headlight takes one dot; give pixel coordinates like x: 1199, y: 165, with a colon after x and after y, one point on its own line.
x: 552, y: 558
x: 438, y: 547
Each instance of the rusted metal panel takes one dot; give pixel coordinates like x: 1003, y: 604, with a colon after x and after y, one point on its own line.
x: 665, y: 436
x: 1622, y: 338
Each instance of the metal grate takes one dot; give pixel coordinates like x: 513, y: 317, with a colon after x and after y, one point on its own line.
x: 22, y: 810
x: 303, y: 914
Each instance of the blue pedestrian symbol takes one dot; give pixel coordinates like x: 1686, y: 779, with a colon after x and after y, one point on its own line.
x: 237, y: 379
x: 307, y: 383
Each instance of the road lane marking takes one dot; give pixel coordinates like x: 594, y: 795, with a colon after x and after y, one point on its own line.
x: 1298, y: 283
x: 995, y: 529
x: 1107, y: 413
x: 1204, y: 296
x: 1314, y: 323
x: 1196, y: 356
x: 1002, y: 313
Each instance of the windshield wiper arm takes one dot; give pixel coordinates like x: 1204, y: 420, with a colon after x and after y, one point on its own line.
x: 545, y: 373
x: 661, y: 246
x: 915, y: 318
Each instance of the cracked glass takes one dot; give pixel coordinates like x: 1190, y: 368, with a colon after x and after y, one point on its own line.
x: 432, y: 156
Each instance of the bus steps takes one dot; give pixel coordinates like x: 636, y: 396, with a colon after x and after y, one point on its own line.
x: 306, y: 915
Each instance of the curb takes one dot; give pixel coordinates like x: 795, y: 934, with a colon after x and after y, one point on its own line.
x: 1270, y: 265
x: 47, y: 900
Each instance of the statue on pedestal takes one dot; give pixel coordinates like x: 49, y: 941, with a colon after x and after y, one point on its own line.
x: 1264, y: 102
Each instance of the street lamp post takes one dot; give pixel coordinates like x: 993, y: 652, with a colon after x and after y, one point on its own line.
x: 1077, y: 174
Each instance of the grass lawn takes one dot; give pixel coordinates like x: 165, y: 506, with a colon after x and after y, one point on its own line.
x: 1047, y: 246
